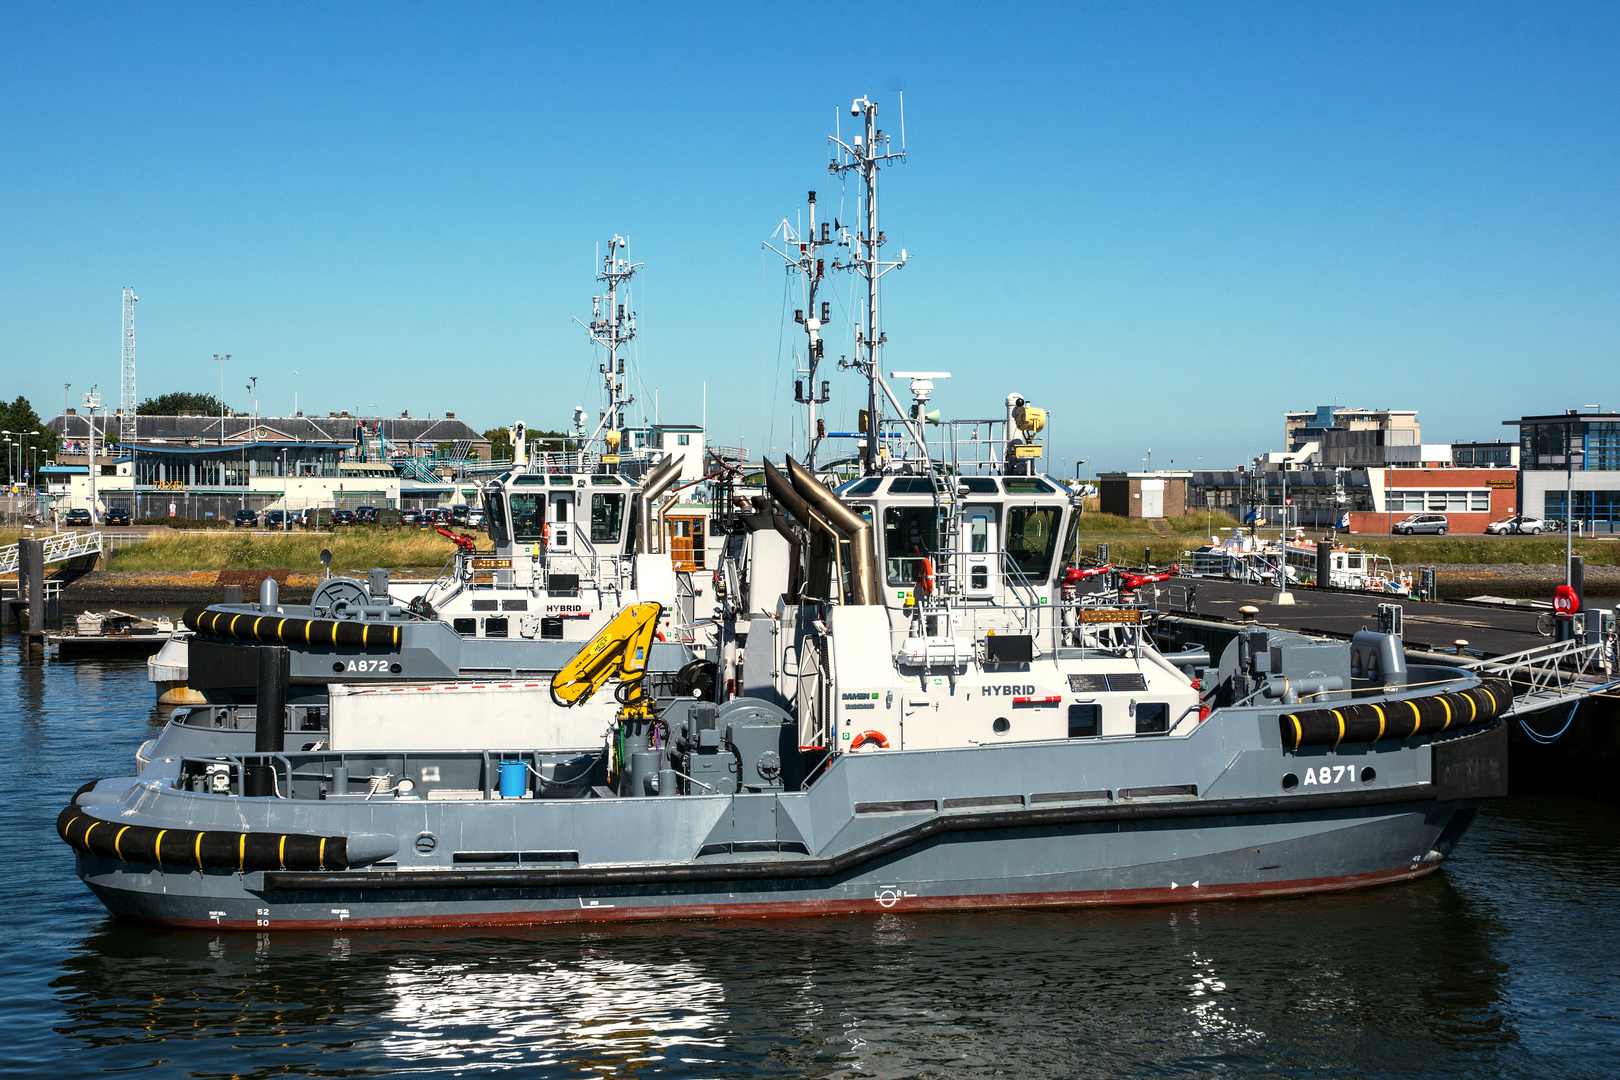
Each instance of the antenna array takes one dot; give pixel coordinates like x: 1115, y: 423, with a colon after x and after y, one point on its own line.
x: 126, y: 400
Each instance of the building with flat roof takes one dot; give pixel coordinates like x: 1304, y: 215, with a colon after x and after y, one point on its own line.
x: 210, y: 466
x: 1157, y: 494
x: 1569, y: 466
x: 1354, y: 438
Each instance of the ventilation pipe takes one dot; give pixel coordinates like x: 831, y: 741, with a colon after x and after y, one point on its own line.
x: 863, y: 554
x: 824, y: 555
x: 657, y: 481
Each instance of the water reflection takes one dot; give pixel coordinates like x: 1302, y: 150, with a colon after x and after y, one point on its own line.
x: 1354, y: 982
x: 1500, y: 966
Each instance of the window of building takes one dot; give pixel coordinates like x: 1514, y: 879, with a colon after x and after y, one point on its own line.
x: 607, y: 517
x: 1479, y: 501
x: 683, y: 440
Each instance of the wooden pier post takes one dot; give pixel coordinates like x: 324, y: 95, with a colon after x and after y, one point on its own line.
x: 31, y: 590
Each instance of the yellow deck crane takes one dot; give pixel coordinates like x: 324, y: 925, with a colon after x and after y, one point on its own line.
x: 619, y: 650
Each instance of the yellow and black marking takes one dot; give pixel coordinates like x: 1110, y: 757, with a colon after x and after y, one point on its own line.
x: 1405, y: 719
x: 341, y: 633
x: 181, y: 849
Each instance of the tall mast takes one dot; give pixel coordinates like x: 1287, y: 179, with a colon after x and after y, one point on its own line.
x: 799, y: 253
x: 612, y: 329
x: 126, y: 398
x: 864, y: 158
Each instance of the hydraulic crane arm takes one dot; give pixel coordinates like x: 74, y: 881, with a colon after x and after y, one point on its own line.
x: 619, y: 650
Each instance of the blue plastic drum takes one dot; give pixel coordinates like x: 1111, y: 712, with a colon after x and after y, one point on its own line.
x: 514, y: 779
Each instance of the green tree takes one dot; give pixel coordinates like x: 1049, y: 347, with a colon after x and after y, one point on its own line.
x: 500, y: 444
x: 175, y: 403
x: 19, y: 416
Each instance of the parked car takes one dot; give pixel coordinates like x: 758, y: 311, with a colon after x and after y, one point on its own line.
x: 78, y: 517
x: 1422, y: 523
x: 408, y: 517
x: 475, y: 518
x: 275, y: 519
x: 342, y: 517
x: 1517, y: 523
x: 366, y: 515
x: 458, y: 515
x: 116, y: 516
x: 247, y: 519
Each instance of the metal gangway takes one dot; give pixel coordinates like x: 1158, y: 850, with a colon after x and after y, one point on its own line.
x: 58, y: 548
x: 1547, y: 676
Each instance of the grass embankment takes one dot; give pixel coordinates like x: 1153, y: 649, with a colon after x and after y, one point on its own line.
x: 1494, y: 550
x: 1189, y: 525
x: 352, y: 552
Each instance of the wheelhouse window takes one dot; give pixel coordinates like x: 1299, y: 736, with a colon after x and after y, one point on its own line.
x: 495, y: 516
x: 607, y: 517
x: 1032, y: 535
x: 528, y: 518
x: 910, y: 534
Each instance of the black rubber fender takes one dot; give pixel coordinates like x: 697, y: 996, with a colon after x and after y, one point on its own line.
x: 197, y: 849
x: 1402, y: 719
x: 276, y: 630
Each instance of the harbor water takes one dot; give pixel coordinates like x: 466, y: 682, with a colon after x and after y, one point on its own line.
x: 1504, y: 964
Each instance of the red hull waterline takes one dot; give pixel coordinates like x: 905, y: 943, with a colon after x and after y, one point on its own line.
x: 801, y: 908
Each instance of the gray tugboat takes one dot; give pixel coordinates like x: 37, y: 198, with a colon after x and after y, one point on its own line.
x: 915, y: 708
x: 577, y: 535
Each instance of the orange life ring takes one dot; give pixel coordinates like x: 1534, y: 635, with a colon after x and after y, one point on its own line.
x: 866, y: 736
x: 925, y: 577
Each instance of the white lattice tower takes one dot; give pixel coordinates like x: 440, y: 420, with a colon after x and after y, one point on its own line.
x: 126, y: 400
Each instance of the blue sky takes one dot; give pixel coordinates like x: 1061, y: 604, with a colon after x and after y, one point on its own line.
x: 1168, y: 223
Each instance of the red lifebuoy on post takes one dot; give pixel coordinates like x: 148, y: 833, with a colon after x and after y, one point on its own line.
x: 925, y: 577
x: 1565, y: 601
x: 868, y: 736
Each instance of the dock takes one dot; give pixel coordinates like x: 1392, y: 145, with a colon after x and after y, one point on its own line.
x: 1496, y: 640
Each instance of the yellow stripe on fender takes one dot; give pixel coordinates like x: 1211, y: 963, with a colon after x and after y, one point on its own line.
x: 321, y: 858
x: 281, y: 851
x: 1447, y: 704
x: 241, y: 852
x: 198, y: 850
x: 1417, y: 718
x: 1340, y: 718
x: 1494, y: 706
x: 1298, y: 734
x: 119, y: 839
x: 85, y: 839
x: 157, y: 847
x: 279, y: 624
x: 1379, y: 709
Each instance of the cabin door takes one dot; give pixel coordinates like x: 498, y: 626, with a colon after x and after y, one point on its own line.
x: 981, y: 550
x: 562, y: 521
x: 684, y: 541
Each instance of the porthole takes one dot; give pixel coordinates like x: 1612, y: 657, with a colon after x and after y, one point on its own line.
x: 338, y: 667
x: 426, y: 843
x: 1290, y: 781
x: 1001, y: 726
x: 1368, y: 775
x: 395, y: 668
